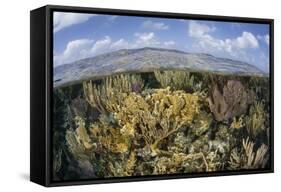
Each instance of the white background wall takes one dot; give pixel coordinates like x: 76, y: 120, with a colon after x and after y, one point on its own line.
x: 14, y: 94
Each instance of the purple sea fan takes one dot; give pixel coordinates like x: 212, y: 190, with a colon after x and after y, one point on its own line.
x: 136, y: 87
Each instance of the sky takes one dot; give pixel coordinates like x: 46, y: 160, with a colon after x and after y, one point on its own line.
x: 81, y: 35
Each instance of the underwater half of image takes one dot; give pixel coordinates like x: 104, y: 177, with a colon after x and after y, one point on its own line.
x: 160, y: 122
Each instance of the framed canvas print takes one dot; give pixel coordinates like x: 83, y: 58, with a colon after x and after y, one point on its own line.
x: 119, y: 95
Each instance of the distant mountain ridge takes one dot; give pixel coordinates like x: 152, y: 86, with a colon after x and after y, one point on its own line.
x: 145, y: 60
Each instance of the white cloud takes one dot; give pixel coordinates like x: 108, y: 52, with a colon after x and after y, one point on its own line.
x: 235, y: 47
x: 169, y: 43
x: 145, y: 36
x: 198, y: 30
x: 74, y: 49
x: 63, y: 20
x: 247, y: 40
x: 154, y: 25
x: 150, y: 40
x: 83, y: 48
x: 101, y: 45
x: 240, y: 48
x: 145, y: 40
x: 264, y: 38
x: 120, y: 44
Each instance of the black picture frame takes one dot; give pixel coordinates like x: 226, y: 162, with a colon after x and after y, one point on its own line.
x: 41, y: 83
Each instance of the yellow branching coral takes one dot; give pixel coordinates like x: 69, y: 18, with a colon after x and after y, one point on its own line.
x: 123, y: 167
x: 112, y: 140
x: 177, y: 80
x: 248, y: 159
x: 93, y: 95
x: 108, y: 95
x: 110, y: 137
x: 201, y: 123
x: 237, y: 124
x: 115, y: 128
x: 130, y: 164
x: 180, y: 161
x: 98, y: 96
x: 255, y: 122
x: 213, y: 161
x: 127, y: 130
x: 158, y: 115
x: 82, y: 134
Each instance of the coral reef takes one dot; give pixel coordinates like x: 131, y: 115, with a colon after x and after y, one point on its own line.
x: 248, y: 158
x: 177, y: 80
x: 110, y: 137
x: 161, y: 122
x: 237, y: 123
x: 157, y: 115
x: 255, y: 121
x: 98, y: 96
x: 201, y: 124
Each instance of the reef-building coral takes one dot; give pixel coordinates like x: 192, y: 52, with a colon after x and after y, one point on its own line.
x: 110, y: 137
x: 93, y: 95
x: 158, y: 115
x: 177, y: 80
x: 134, y: 125
x: 201, y: 123
x: 99, y: 95
x: 237, y: 123
x: 182, y: 162
x: 255, y: 121
x: 248, y: 158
